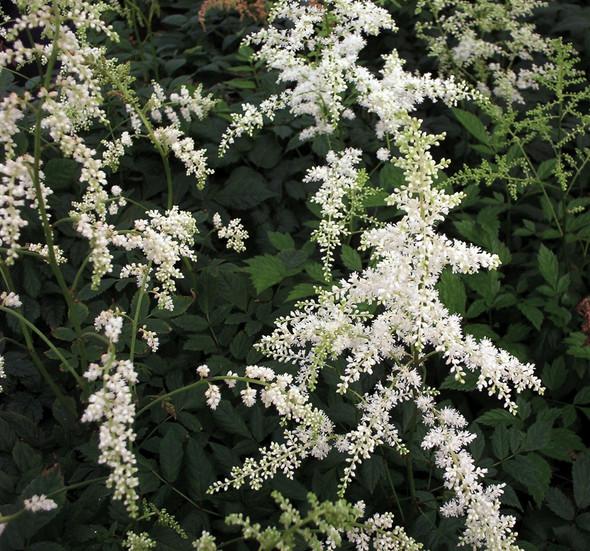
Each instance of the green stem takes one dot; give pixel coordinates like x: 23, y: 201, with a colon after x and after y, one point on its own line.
x: 537, y: 179
x: 195, y: 385
x: 43, y: 337
x: 395, y: 496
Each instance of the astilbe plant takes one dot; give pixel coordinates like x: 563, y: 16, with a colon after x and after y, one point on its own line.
x: 387, y: 318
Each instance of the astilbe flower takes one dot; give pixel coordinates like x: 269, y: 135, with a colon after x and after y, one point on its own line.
x: 163, y: 239
x: 317, y: 56
x: 389, y: 315
x: 457, y: 33
x: 410, y: 322
x: 484, y: 524
x: 39, y: 503
x: 112, y: 406
x: 234, y: 232
x: 339, y: 181
x: 2, y: 372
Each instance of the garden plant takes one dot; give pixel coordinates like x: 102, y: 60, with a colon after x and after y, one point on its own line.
x: 297, y: 274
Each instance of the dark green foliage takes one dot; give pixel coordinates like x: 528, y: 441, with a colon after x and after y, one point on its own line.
x: 532, y: 212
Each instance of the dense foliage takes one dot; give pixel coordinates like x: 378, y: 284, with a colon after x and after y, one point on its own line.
x: 277, y: 275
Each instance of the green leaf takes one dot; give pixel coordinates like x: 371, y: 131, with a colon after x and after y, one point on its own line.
x: 200, y: 342
x: 532, y: 313
x: 30, y: 278
x: 292, y: 259
x: 554, y: 375
x: 532, y: 472
x: 229, y: 420
x: 537, y: 436
x: 481, y: 330
x: 301, y: 290
x: 63, y: 415
x: 64, y: 334
x: 501, y: 442
x: 266, y: 152
x: 451, y: 292
x: 582, y: 397
x: 171, y: 454
x: 583, y: 521
x: 240, y: 345
x: 391, y: 177
x: 190, y: 322
x: 546, y: 168
x: 559, y: 503
x: 244, y: 189
x: 240, y: 83
x: 87, y: 292
x: 26, y: 458
x: 281, y: 241
x: 6, y: 79
x: 351, y: 258
x: 173, y: 64
x: 563, y: 445
x: 224, y: 456
x: 548, y: 265
x: 496, y: 417
x: 81, y: 310
x: 576, y: 348
x: 482, y: 149
x: 581, y: 477
x: 189, y: 421
x: 315, y: 271
x: 175, y: 20
x: 199, y: 469
x: 265, y: 271
x: 472, y: 124
x: 372, y: 470
x: 60, y: 173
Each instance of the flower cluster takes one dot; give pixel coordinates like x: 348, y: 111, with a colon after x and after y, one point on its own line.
x: 111, y: 323
x: 325, y: 526
x: 381, y: 531
x: 2, y: 372
x: 339, y: 197
x: 17, y: 189
x: 139, y: 542
x: 388, y: 316
x: 10, y: 300
x: 310, y: 438
x: 112, y: 406
x: 458, y: 34
x: 234, y: 232
x: 164, y: 239
x: 485, y: 526
x: 409, y: 323
x: 318, y: 53
x: 73, y: 102
x: 39, y: 503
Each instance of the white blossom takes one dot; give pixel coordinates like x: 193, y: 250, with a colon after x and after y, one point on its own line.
x: 113, y: 406
x: 39, y: 503
x: 10, y: 300
x: 213, y: 395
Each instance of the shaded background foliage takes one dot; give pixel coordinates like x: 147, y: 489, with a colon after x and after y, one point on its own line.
x: 227, y: 300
